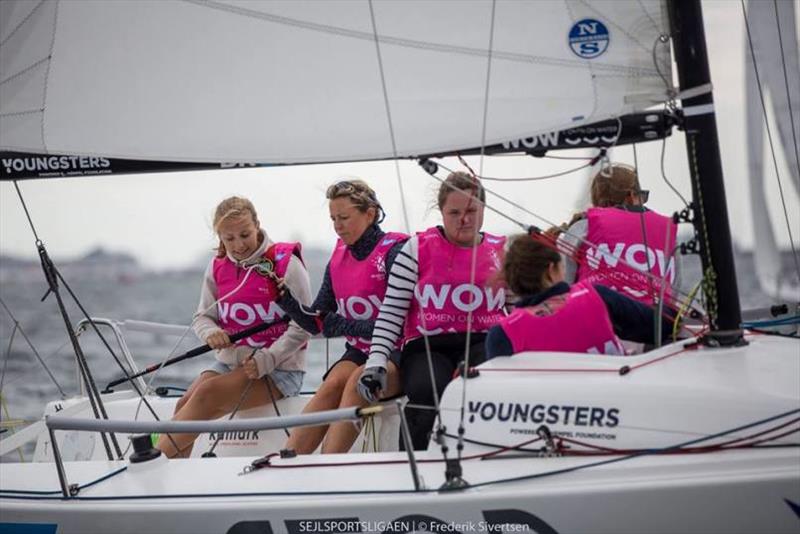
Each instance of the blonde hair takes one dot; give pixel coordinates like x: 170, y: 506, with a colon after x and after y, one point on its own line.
x: 610, y: 187
x: 360, y: 194
x: 232, y: 207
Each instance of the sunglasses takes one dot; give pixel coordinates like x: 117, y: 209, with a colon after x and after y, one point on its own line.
x: 343, y: 187
x: 644, y: 195
x: 347, y: 188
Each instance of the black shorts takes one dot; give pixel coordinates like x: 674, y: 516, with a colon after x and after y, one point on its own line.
x: 359, y: 357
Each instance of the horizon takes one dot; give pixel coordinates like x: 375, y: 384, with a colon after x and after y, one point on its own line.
x: 164, y: 220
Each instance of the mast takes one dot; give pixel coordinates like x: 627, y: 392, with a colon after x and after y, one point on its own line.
x: 708, y: 189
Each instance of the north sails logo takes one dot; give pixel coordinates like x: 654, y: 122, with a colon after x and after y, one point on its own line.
x: 541, y: 413
x: 589, y: 38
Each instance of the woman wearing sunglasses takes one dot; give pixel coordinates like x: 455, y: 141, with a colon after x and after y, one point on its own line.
x: 620, y: 243
x: 347, y: 305
x: 552, y: 315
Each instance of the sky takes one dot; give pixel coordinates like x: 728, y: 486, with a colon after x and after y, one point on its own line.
x: 164, y: 220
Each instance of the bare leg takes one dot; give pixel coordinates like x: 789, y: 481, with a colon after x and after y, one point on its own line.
x: 205, y: 375
x: 213, y: 398
x: 306, y: 439
x: 343, y: 434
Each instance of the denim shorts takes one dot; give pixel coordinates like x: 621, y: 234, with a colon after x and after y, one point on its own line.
x: 289, y: 382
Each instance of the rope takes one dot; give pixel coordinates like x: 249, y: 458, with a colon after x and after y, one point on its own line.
x: 10, y: 423
x: 474, y: 252
x: 573, y: 252
x: 245, y: 391
x: 402, y: 194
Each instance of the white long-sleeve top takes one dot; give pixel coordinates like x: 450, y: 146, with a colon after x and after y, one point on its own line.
x: 403, y: 279
x: 287, y: 352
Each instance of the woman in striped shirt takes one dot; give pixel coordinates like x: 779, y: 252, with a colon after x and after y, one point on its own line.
x: 439, y: 289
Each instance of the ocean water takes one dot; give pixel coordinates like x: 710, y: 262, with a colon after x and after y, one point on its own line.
x: 123, y: 291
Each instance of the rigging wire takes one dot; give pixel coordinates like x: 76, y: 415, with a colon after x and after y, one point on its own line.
x: 664, y: 174
x: 769, y: 133
x: 536, y: 178
x: 786, y: 84
x: 662, y: 39
x: 643, y: 228
x: 402, y: 198
x: 35, y: 352
x: 622, y: 456
x: 8, y: 353
x: 550, y: 156
x: 56, y: 275
x: 474, y: 252
x: 677, y: 292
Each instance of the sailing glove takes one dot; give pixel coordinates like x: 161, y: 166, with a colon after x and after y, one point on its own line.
x: 371, y: 383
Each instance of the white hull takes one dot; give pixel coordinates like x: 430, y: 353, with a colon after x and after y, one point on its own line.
x: 736, y: 491
x: 669, y: 398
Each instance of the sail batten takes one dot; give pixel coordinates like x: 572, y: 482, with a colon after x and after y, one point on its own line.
x: 290, y: 83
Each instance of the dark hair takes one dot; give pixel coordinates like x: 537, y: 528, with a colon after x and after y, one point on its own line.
x: 525, y: 263
x: 610, y: 187
x: 460, y: 181
x: 360, y: 194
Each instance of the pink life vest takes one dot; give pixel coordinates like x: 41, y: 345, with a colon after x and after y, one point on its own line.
x: 576, y: 321
x: 254, y: 302
x: 360, y: 285
x: 615, y: 234
x: 444, y: 296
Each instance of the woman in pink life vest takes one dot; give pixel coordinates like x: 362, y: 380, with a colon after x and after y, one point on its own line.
x: 435, y: 295
x: 240, y: 290
x: 551, y: 315
x: 621, y: 244
x: 347, y: 305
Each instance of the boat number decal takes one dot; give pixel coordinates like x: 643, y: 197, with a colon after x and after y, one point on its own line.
x: 589, y: 38
x: 504, y: 520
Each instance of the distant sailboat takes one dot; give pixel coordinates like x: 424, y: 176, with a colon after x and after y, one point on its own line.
x: 775, y: 47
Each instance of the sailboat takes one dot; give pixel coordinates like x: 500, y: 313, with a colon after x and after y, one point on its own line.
x: 700, y: 435
x: 779, y: 80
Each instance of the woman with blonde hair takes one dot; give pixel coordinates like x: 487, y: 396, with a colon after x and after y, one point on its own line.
x: 347, y: 305
x: 240, y: 289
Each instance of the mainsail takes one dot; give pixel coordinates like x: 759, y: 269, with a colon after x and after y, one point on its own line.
x: 304, y: 82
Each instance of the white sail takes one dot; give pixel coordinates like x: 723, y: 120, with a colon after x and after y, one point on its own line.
x: 300, y: 82
x: 768, y: 53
